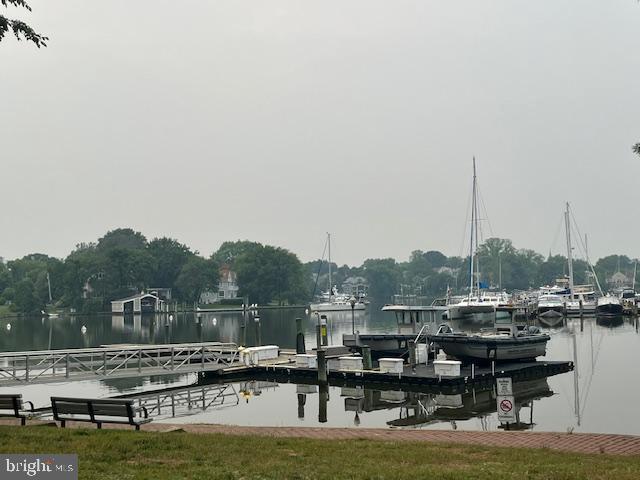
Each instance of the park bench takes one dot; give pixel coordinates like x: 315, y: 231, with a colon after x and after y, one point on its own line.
x: 98, y: 411
x: 11, y: 405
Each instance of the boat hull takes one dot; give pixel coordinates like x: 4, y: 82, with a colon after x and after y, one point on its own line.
x: 336, y: 307
x: 555, y: 311
x: 609, y: 309
x: 477, y: 348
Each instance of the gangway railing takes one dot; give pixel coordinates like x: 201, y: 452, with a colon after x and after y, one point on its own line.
x: 114, y: 361
x: 186, y: 401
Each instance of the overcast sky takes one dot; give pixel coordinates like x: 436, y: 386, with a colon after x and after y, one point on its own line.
x: 278, y: 121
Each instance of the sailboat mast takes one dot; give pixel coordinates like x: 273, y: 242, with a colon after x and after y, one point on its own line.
x: 567, y: 222
x: 49, y: 284
x: 473, y: 216
x: 475, y: 225
x: 330, y: 282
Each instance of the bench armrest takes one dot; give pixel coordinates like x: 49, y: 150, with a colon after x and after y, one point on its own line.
x: 30, y: 403
x: 144, y: 411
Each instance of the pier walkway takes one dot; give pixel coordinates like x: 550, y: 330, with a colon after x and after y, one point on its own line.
x: 114, y: 361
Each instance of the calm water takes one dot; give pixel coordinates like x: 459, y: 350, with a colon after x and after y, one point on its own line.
x: 599, y: 397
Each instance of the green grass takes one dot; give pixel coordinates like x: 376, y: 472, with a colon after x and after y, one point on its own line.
x: 176, y: 455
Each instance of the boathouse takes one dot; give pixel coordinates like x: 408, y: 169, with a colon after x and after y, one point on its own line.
x: 140, y: 303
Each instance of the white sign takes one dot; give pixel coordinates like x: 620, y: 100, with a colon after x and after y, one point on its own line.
x: 504, y: 386
x: 506, y: 408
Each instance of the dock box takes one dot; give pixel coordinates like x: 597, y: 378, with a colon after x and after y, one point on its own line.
x: 306, y: 360
x: 253, y: 355
x: 447, y: 368
x: 391, y: 365
x: 350, y: 363
x: 452, y: 401
x: 421, y: 353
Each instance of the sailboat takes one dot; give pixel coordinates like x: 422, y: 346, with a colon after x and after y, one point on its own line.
x: 476, y: 302
x: 582, y: 298
x: 332, y: 300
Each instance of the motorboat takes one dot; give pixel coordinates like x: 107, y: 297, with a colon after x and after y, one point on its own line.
x: 582, y: 301
x: 505, y: 342
x: 628, y: 299
x: 609, y: 305
x: 550, y: 305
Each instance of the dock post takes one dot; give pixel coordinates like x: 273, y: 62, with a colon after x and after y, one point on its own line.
x: 366, y: 358
x: 300, y: 347
x: 473, y: 372
x: 322, y: 366
x: 493, y: 368
x: 412, y: 353
x: 581, y: 312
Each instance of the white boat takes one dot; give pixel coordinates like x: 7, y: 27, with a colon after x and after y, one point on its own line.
x: 332, y: 300
x: 550, y: 305
x: 581, y: 302
x: 609, y: 305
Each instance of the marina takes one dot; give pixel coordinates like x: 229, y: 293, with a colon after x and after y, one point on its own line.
x: 191, y: 393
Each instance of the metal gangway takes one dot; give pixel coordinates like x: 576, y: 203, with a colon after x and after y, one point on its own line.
x: 112, y: 361
x: 182, y: 401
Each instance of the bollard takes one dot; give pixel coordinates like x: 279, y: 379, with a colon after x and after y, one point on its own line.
x: 300, y: 347
x: 322, y: 366
x: 367, y: 364
x: 581, y: 310
x: 412, y: 353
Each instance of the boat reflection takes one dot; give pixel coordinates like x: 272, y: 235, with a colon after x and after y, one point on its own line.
x: 416, y: 410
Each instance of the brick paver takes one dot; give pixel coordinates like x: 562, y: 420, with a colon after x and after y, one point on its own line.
x: 571, y: 442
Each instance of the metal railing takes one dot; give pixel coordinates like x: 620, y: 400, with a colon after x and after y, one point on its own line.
x: 183, y: 401
x: 111, y: 361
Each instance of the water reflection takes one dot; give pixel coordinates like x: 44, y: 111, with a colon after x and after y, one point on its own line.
x: 604, y: 350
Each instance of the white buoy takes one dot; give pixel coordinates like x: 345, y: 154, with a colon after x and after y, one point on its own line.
x: 306, y: 311
x: 83, y: 329
x: 215, y: 321
x: 8, y: 327
x: 171, y: 318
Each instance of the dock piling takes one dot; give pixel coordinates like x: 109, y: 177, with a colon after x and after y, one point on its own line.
x: 322, y: 366
x: 367, y: 364
x: 412, y: 353
x: 300, y: 346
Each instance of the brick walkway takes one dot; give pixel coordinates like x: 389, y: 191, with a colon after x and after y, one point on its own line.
x: 575, y: 442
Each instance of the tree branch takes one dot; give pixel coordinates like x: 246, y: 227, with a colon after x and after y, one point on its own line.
x: 20, y: 29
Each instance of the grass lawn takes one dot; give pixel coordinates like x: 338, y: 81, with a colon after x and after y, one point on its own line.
x: 110, y: 454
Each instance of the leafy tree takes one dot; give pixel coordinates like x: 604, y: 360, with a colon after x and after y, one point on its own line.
x: 122, y: 238
x: 383, y: 276
x: 25, y: 298
x: 267, y: 274
x: 19, y: 28
x: 230, y: 251
x: 169, y: 257
x: 197, y: 275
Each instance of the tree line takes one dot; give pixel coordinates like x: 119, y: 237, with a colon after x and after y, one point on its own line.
x: 123, y: 262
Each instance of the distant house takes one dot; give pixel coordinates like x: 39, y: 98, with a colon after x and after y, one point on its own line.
x: 618, y: 279
x: 227, y: 287
x: 452, y: 272
x: 356, y: 286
